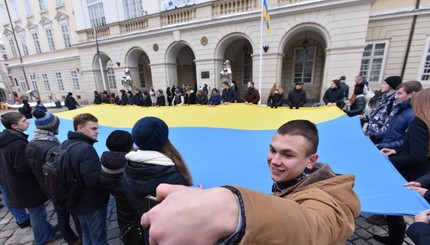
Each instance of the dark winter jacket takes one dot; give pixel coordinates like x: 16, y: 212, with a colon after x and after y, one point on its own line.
x: 137, y: 99
x: 97, y: 99
x: 143, y: 173
x: 215, y: 99
x: 333, y: 96
x: 70, y: 103
x: 275, y: 100
x: 202, y: 100
x: 26, y: 111
x: 86, y: 166
x: 358, y: 107
x: 252, y: 96
x: 412, y: 160
x: 113, y: 163
x: 297, y: 98
x: 190, y: 98
x: 161, y: 100
x: 21, y: 186
x: 392, y: 136
x: 123, y: 100
x: 228, y: 95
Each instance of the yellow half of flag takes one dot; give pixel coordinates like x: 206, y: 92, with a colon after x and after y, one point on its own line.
x: 266, y: 16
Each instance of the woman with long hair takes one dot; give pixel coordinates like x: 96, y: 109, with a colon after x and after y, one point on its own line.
x: 156, y: 161
x: 276, y: 96
x: 412, y: 161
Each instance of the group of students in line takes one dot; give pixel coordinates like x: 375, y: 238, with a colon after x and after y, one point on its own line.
x: 398, y: 124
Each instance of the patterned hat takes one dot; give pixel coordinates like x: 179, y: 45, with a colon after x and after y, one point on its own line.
x: 45, y: 120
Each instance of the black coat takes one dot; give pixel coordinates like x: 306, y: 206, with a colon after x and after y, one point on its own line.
x: 297, y: 98
x: 21, y: 186
x: 161, y: 100
x: 333, y: 96
x: 86, y: 167
x: 412, y: 161
x: 113, y: 163
x: 70, y: 103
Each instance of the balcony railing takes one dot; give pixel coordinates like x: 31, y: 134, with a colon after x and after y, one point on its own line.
x: 220, y: 8
x: 102, y: 32
x: 133, y: 25
x: 178, y: 16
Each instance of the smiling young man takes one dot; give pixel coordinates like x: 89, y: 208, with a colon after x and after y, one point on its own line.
x: 91, y: 207
x: 311, y: 204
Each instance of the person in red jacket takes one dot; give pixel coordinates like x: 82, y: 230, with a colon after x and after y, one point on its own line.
x: 251, y: 96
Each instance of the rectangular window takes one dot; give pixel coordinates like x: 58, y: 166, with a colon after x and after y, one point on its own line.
x: 27, y: 8
x: 13, y: 48
x: 3, y: 14
x: 304, y: 62
x: 97, y: 15
x: 75, y: 80
x: 14, y: 10
x: 22, y: 83
x: 46, y: 82
x: 372, y: 61
x: 66, y: 35
x: 111, y: 77
x: 23, y: 44
x: 425, y: 74
x: 59, y: 2
x: 36, y: 42
x: 59, y: 79
x: 132, y: 8
x: 42, y: 5
x: 34, y: 82
x: 50, y: 38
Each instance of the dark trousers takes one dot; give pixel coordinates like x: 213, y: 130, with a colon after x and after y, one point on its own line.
x: 63, y: 217
x: 396, y: 229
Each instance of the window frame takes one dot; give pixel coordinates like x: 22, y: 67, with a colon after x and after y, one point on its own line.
x: 425, y: 63
x: 366, y: 76
x: 313, y: 66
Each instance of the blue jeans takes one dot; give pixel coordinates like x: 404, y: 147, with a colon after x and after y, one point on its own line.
x: 94, y: 227
x: 63, y: 217
x: 43, y: 231
x: 20, y: 214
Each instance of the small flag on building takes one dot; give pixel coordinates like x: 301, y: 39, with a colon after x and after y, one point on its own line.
x: 266, y: 16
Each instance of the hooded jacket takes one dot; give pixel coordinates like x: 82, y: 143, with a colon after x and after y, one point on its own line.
x: 21, y: 186
x: 319, y: 209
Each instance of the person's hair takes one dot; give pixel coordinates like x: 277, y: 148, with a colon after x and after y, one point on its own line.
x: 39, y: 102
x: 214, y: 89
x: 420, y: 105
x: 304, y: 128
x: 10, y: 118
x: 342, y: 78
x: 170, y: 151
x: 273, y: 89
x: 410, y: 86
x: 82, y: 119
x: 226, y: 83
x: 372, y: 101
x: 160, y: 91
x: 252, y: 83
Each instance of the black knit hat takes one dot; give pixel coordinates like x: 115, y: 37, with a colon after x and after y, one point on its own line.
x: 46, y: 121
x: 150, y: 133
x: 393, y: 81
x: 119, y: 140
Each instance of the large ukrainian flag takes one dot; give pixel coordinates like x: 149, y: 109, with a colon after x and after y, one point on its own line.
x: 228, y: 144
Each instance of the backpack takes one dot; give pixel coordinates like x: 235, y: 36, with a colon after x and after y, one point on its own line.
x: 60, y: 183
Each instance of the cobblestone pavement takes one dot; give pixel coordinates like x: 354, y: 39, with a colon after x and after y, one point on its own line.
x: 10, y: 233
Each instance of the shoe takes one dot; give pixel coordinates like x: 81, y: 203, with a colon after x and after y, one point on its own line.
x: 382, y: 239
x: 25, y: 224
x: 377, y: 220
x: 54, y: 238
x: 1, y: 205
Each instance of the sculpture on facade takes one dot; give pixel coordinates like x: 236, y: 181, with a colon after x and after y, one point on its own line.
x: 225, y: 74
x: 126, y: 80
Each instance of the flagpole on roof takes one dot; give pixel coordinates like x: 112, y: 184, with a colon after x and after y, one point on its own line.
x: 100, y: 61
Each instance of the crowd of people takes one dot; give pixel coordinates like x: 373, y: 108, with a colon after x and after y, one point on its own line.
x: 320, y: 203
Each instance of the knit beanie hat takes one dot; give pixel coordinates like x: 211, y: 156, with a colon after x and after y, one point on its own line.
x: 393, y: 81
x: 119, y: 140
x: 150, y: 133
x: 45, y: 120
